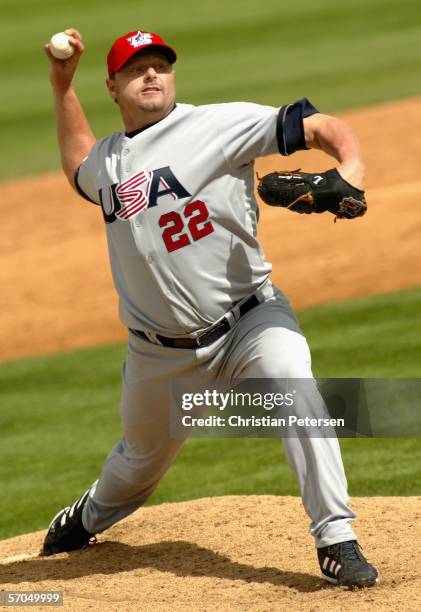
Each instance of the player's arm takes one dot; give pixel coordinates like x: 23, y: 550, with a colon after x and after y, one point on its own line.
x: 75, y: 136
x: 336, y: 138
x: 339, y: 190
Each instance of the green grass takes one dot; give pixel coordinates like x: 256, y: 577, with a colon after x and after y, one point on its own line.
x: 370, y: 337
x: 340, y: 55
x: 59, y: 418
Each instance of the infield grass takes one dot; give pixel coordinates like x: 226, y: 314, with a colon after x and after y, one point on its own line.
x: 338, y: 54
x: 59, y: 418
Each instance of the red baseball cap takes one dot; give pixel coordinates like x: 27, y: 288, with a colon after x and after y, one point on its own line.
x: 133, y: 42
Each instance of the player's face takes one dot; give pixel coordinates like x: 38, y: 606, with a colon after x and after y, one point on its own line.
x: 144, y: 88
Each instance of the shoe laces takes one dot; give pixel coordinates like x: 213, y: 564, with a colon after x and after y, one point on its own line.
x: 351, y: 550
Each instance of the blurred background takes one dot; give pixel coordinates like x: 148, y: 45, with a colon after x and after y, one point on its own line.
x: 340, y: 55
x: 59, y: 405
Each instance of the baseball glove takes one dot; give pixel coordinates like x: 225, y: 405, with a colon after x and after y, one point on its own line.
x: 312, y: 193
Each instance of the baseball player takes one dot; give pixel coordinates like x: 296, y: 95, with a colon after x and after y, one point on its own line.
x: 175, y: 189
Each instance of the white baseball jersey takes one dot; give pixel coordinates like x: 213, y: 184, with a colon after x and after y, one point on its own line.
x: 181, y: 217
x: 180, y: 212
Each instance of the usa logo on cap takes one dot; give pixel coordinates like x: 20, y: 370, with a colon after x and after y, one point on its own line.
x: 141, y: 38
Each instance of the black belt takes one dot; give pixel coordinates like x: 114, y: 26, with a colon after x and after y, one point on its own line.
x: 215, y: 332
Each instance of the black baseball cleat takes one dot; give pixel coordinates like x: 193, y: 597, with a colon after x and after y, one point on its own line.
x: 345, y: 565
x: 66, y: 531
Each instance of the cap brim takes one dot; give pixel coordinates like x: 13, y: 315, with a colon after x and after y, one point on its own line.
x: 167, y: 51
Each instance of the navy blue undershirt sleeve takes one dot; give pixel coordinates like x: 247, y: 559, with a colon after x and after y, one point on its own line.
x: 80, y: 190
x: 290, y: 128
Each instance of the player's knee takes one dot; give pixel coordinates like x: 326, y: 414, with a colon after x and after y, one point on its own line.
x: 285, y: 355
x: 283, y: 369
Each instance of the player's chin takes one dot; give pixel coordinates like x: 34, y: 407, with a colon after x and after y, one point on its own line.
x: 152, y: 104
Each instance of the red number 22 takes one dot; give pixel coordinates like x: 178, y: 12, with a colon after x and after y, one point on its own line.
x: 198, y: 223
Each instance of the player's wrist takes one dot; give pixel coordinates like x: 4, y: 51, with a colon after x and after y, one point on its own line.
x: 63, y: 90
x: 353, y: 172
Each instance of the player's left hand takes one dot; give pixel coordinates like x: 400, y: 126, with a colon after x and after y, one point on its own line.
x: 304, y: 192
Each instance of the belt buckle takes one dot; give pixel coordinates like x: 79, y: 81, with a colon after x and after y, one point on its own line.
x: 211, y: 333
x: 198, y: 339
x: 198, y: 343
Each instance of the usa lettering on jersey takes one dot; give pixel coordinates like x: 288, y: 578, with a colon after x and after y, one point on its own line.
x: 142, y: 191
x: 139, y: 192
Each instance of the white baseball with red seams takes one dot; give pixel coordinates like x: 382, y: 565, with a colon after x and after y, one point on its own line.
x: 60, y: 46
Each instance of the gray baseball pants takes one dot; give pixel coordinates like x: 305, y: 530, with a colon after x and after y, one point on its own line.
x: 264, y: 343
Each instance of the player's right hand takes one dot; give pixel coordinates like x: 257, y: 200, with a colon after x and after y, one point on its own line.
x: 62, y: 71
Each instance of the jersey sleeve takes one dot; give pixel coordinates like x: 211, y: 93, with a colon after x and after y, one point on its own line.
x: 247, y: 131
x: 290, y: 127
x: 86, y: 178
x: 251, y: 130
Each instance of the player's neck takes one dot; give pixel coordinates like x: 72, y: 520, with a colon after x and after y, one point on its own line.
x: 144, y: 119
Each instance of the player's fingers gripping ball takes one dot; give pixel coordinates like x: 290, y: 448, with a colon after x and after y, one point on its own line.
x: 303, y: 192
x: 60, y: 46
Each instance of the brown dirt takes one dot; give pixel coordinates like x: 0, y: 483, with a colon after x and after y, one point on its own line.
x: 230, y: 553
x: 57, y: 292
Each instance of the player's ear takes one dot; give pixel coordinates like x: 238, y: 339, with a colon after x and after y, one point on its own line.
x: 110, y: 82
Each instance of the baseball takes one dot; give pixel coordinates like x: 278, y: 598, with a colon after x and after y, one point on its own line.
x: 60, y: 46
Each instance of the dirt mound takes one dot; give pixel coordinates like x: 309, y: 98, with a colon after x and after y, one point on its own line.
x: 229, y: 553
x: 57, y: 292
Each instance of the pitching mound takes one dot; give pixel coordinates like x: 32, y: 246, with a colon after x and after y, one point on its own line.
x: 57, y: 292
x: 227, y: 553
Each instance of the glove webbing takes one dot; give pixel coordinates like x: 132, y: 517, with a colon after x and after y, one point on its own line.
x: 306, y: 197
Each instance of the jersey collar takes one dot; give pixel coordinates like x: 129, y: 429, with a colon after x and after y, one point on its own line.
x: 136, y: 132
